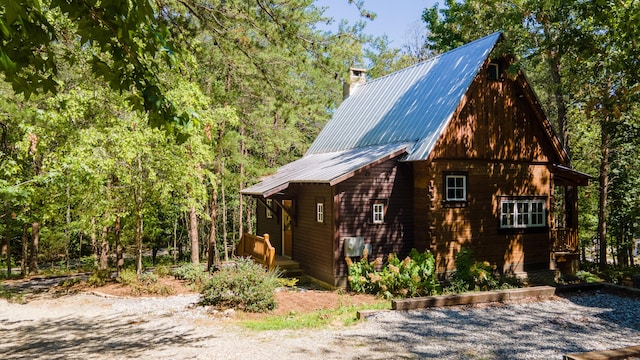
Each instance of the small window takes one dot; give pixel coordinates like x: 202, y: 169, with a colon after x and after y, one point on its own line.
x: 320, y: 212
x: 455, y: 187
x: 268, y: 212
x: 493, y: 71
x: 377, y: 212
x: 522, y: 213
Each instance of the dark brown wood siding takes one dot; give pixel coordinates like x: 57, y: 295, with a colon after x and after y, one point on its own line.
x: 497, y: 140
x: 271, y: 226
x: 313, y: 241
x: 389, y: 183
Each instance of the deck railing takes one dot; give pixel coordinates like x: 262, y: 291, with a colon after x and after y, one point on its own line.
x: 564, y: 240
x: 258, y: 248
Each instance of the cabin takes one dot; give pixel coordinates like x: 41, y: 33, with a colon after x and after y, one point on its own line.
x: 452, y: 152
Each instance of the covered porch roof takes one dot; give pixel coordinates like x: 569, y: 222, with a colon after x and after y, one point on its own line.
x: 325, y: 168
x: 569, y: 176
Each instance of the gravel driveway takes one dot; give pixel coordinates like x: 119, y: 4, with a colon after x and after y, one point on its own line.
x: 86, y: 326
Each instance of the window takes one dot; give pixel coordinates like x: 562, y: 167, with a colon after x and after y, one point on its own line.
x: 493, y: 71
x: 320, y: 212
x: 455, y: 187
x: 522, y: 213
x: 268, y: 212
x: 378, y: 212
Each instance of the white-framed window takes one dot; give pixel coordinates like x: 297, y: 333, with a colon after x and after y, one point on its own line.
x: 320, y: 212
x: 268, y: 212
x: 522, y: 213
x: 455, y: 187
x: 378, y: 212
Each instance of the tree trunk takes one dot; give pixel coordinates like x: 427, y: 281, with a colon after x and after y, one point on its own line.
x: 104, y: 249
x: 604, y: 190
x: 116, y: 237
x: 67, y: 229
x: 193, y: 235
x: 243, y: 153
x: 33, y: 251
x: 224, y: 221
x: 213, y: 248
x: 175, y: 241
x: 25, y: 249
x: 94, y: 242
x: 138, y: 237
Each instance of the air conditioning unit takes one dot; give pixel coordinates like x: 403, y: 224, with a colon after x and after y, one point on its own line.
x: 353, y: 246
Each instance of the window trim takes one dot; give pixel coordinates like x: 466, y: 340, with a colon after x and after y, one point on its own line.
x: 465, y: 187
x: 521, y: 214
x: 320, y: 212
x: 381, y: 205
x: 493, y: 71
x: 269, y: 213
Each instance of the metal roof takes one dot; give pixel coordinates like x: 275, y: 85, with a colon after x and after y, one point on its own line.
x: 410, y: 105
x: 400, y: 113
x: 326, y: 168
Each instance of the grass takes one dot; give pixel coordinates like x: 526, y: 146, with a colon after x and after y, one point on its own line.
x: 344, y: 315
x: 11, y: 295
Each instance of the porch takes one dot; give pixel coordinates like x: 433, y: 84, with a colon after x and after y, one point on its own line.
x: 564, y: 250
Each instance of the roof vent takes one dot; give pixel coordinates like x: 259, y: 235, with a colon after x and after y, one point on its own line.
x: 356, y: 77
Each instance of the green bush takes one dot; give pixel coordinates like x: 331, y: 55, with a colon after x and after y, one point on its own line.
x: 162, y: 270
x: 127, y: 277
x: 473, y: 275
x: 246, y: 286
x: 411, y: 277
x: 194, y: 274
x: 99, y: 278
x: 587, y: 277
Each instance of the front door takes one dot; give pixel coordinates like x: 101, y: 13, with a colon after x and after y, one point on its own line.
x: 287, y: 229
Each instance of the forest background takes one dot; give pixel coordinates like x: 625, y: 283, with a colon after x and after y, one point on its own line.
x: 132, y: 126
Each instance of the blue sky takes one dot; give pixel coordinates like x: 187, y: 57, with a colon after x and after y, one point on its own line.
x: 394, y: 17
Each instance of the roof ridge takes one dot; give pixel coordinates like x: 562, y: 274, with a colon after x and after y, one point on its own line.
x: 428, y: 60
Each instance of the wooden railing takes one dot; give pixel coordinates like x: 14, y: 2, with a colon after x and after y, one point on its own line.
x: 258, y: 248
x: 564, y: 239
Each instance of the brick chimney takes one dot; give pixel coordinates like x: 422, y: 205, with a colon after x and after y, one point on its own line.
x: 356, y: 77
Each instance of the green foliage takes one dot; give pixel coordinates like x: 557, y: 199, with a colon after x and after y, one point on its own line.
x: 127, y: 277
x: 471, y: 275
x: 162, y: 271
x: 288, y: 282
x: 587, y: 277
x: 411, y: 277
x: 11, y: 295
x: 67, y: 283
x: 317, y: 319
x: 99, y: 278
x: 246, y: 286
x: 194, y: 274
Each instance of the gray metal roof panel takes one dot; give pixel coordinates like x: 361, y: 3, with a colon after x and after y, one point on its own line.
x: 323, y: 168
x: 410, y: 105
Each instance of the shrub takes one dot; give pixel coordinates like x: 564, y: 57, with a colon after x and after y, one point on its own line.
x: 587, y: 277
x: 247, y: 286
x: 127, y: 277
x: 99, y: 278
x: 194, y: 274
x: 162, y: 270
x: 477, y: 275
x: 413, y: 276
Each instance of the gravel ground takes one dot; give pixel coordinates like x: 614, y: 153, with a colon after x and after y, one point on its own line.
x: 85, y: 326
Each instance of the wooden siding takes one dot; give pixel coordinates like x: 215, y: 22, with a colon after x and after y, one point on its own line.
x: 390, y: 182
x: 445, y: 229
x: 497, y: 138
x: 313, y: 241
x: 271, y: 226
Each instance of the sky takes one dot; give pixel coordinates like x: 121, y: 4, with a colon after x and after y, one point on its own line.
x: 394, y: 17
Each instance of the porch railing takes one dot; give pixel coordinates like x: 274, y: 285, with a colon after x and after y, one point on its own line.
x: 564, y: 240
x: 258, y: 248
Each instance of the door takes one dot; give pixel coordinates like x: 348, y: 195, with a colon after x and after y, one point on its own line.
x: 287, y: 236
